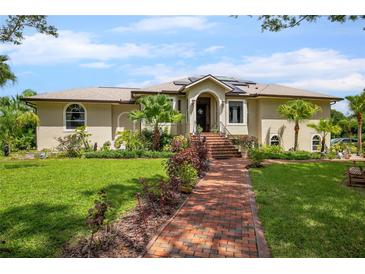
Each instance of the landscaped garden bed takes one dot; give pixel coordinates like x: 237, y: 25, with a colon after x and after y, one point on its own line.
x: 307, y: 211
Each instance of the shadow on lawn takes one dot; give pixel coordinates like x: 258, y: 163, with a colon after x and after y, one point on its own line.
x: 22, y: 165
x: 42, y: 229
x: 36, y: 230
x: 118, y: 194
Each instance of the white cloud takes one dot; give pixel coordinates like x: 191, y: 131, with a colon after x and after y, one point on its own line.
x: 314, y: 69
x: 73, y: 46
x: 167, y: 23
x: 96, y: 65
x: 213, y: 49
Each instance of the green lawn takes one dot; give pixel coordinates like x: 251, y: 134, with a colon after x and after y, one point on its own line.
x: 44, y: 203
x: 307, y: 211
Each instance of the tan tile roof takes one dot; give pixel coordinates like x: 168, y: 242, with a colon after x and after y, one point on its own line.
x: 241, y: 87
x: 106, y: 94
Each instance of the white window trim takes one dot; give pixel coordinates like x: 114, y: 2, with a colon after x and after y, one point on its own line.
x: 320, y: 141
x: 244, y: 123
x: 64, y: 116
x: 272, y: 135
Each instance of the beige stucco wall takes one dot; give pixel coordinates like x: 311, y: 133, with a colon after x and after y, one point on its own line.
x: 270, y: 123
x: 99, y: 122
x: 120, y: 120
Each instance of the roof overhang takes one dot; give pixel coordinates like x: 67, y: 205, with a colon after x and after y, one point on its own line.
x: 257, y: 95
x: 29, y: 99
x: 211, y: 78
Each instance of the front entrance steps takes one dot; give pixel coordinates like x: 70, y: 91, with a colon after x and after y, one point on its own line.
x: 219, y: 147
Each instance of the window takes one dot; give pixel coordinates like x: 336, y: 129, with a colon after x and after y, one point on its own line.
x: 274, y: 140
x: 316, y: 143
x: 75, y: 116
x: 179, y: 105
x: 235, y: 112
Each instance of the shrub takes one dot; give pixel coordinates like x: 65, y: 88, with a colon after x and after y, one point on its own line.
x: 71, y: 145
x: 246, y: 142
x: 195, y: 156
x: 106, y: 146
x: 96, y: 217
x: 256, y: 156
x: 147, y: 138
x: 188, y: 176
x: 116, y: 154
x: 271, y: 149
x: 179, y: 143
x: 132, y: 140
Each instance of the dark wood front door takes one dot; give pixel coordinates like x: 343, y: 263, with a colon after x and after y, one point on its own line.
x: 203, y: 113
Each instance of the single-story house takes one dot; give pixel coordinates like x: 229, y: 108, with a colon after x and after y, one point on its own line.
x: 209, y: 102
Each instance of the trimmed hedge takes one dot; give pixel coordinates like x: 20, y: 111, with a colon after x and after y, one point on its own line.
x: 289, y: 155
x: 115, y: 154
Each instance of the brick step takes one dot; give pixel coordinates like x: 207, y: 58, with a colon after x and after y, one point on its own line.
x: 220, y: 145
x: 230, y: 147
x: 226, y: 154
x: 221, y: 157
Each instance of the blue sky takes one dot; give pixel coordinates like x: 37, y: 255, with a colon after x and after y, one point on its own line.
x: 139, y: 51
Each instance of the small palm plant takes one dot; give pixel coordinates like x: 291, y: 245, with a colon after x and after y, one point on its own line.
x: 156, y: 109
x: 357, y: 107
x: 297, y: 111
x: 325, y: 127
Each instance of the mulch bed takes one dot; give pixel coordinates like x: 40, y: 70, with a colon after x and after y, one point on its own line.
x: 127, y: 237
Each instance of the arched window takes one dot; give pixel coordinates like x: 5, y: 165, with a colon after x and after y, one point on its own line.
x: 75, y: 116
x: 275, y: 140
x: 316, y: 143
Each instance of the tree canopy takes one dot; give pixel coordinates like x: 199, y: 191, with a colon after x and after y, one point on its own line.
x: 277, y: 23
x: 12, y: 32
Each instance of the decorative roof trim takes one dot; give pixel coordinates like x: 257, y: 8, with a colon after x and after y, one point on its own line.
x: 206, y: 77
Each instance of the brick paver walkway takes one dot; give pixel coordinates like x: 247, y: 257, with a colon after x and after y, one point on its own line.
x: 216, y: 221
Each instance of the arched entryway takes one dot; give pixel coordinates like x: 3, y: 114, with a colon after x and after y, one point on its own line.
x: 207, y: 116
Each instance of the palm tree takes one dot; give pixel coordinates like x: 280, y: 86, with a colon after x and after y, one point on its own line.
x: 297, y: 111
x: 348, y: 125
x: 156, y: 109
x: 357, y: 106
x: 325, y: 127
x: 5, y: 72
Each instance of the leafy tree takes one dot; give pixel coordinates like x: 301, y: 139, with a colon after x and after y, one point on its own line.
x: 325, y: 127
x: 277, y: 23
x: 17, y: 123
x: 297, y: 111
x: 357, y: 107
x: 13, y: 28
x: 156, y: 109
x: 348, y: 125
x: 12, y: 32
x: 337, y: 116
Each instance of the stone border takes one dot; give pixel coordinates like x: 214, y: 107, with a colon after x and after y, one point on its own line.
x: 262, y: 246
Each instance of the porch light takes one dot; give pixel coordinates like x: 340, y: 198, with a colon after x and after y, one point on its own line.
x: 222, y: 103
x: 192, y: 103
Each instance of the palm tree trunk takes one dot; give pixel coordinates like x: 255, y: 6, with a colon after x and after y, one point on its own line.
x: 156, y: 137
x: 323, y: 143
x: 296, y: 130
x: 359, y: 133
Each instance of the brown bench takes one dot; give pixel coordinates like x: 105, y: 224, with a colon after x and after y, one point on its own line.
x: 356, y: 176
